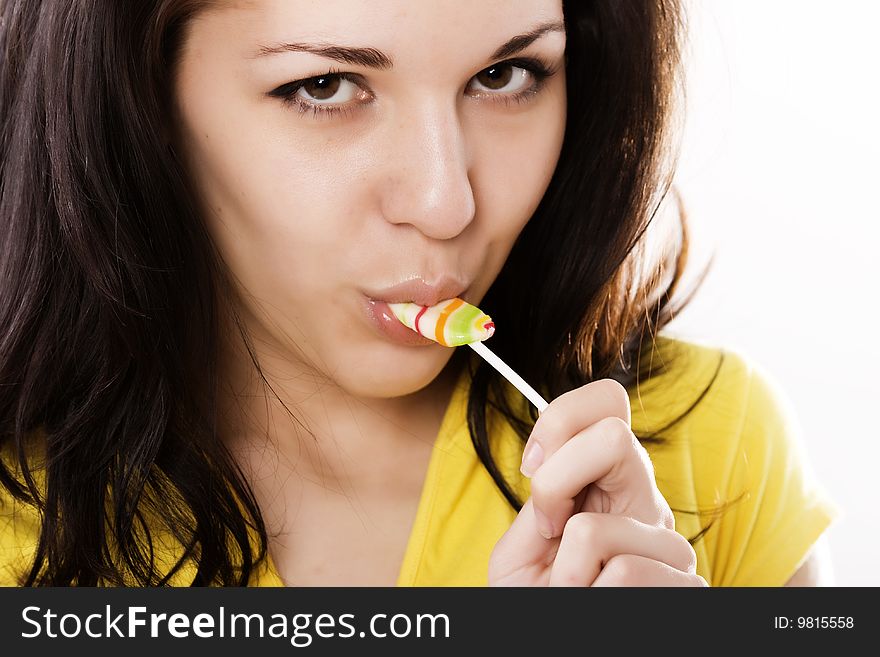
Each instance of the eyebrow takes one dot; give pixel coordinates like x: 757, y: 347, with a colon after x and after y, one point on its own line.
x: 373, y: 58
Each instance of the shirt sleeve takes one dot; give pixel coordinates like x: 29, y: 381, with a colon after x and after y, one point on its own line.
x: 776, y: 509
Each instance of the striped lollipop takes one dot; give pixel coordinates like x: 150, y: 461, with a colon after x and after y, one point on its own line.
x: 451, y: 323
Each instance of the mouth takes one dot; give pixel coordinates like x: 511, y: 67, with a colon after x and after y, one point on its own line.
x: 414, y: 290
x: 417, y: 291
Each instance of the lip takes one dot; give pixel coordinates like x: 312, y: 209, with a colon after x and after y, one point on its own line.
x: 389, y: 327
x: 416, y: 290
x: 412, y: 291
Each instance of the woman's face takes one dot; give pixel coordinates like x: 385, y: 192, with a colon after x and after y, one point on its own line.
x: 406, y: 178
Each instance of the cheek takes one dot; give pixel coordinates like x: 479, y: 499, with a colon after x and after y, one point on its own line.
x: 275, y: 207
x: 273, y: 210
x: 264, y: 190
x: 516, y: 162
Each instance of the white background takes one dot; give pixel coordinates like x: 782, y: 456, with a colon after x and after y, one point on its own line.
x: 779, y: 167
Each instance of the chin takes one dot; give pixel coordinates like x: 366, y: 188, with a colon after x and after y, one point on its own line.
x: 395, y: 376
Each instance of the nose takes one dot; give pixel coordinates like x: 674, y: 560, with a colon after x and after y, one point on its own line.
x: 427, y: 183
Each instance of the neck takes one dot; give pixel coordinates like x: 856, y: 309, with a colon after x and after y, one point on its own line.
x: 299, y: 423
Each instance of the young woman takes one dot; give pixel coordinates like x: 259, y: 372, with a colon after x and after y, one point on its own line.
x: 207, y: 206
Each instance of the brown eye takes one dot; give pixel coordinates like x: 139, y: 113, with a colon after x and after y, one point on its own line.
x: 495, y: 77
x: 322, y: 88
x: 505, y: 77
x: 327, y: 88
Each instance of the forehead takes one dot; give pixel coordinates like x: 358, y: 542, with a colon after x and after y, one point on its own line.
x: 392, y: 26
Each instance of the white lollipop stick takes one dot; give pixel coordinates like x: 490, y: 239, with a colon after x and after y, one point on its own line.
x: 515, y: 379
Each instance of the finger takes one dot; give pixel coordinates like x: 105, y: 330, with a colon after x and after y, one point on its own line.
x: 521, y: 554
x: 570, y: 413
x: 591, y: 540
x: 608, y: 455
x: 636, y: 570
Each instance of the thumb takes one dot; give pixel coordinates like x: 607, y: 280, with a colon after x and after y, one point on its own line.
x: 520, y: 549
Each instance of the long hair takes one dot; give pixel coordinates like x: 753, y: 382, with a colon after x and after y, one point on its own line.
x: 111, y: 290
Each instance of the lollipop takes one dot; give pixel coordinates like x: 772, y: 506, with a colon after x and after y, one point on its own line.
x: 455, y: 322
x: 451, y: 323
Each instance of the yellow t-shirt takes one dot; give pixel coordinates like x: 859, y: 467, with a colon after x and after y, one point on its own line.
x: 736, y: 457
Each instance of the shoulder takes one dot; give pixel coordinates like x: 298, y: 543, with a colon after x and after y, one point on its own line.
x: 21, y: 526
x: 690, y: 410
x: 718, y: 400
x: 709, y: 382
x: 721, y: 406
x: 727, y: 447
x: 687, y: 378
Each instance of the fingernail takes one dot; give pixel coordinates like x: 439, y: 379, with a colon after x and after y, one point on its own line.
x: 532, y: 459
x: 545, y: 527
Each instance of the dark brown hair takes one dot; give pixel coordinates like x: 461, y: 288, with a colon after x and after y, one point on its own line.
x: 111, y: 289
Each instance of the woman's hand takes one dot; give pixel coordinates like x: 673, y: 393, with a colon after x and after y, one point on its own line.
x: 595, y: 516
